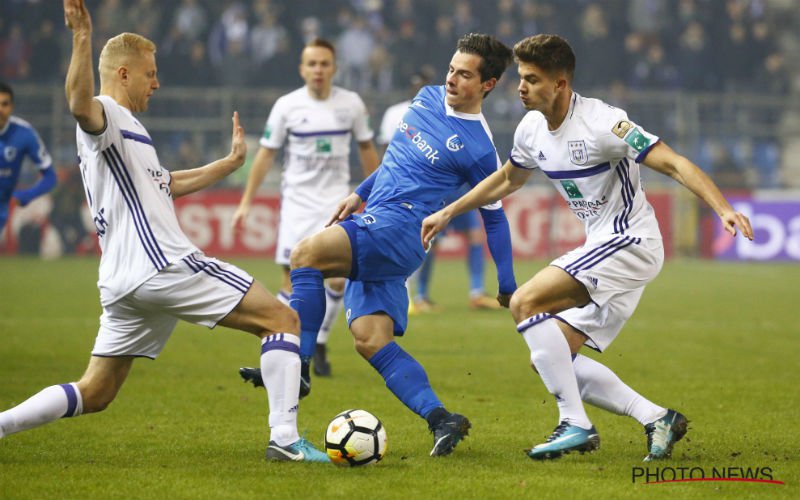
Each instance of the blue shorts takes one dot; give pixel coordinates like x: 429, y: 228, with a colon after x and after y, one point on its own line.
x: 386, y: 248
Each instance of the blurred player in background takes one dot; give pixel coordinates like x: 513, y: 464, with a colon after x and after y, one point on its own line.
x: 467, y: 224
x: 441, y: 142
x: 151, y: 275
x: 18, y: 139
x: 591, y: 152
x: 318, y: 120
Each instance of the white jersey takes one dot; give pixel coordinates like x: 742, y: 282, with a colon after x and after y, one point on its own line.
x: 593, y: 160
x: 316, y: 159
x: 391, y: 117
x: 129, y: 197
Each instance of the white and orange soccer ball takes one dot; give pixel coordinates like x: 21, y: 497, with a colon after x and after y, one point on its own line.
x: 355, y: 437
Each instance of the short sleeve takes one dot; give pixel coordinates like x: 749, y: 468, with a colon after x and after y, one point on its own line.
x: 103, y: 140
x: 275, y: 128
x: 626, y: 139
x: 521, y: 153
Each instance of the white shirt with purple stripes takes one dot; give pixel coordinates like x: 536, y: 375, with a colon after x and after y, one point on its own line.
x: 316, y: 167
x: 593, y: 161
x: 129, y: 197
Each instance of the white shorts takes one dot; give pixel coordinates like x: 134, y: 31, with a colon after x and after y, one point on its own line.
x: 197, y: 289
x: 297, y: 224
x: 614, y: 271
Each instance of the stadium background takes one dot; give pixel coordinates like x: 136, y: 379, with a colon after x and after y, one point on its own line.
x: 717, y: 79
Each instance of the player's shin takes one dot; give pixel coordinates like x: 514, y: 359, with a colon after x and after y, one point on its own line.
x: 280, y: 368
x: 49, y: 404
x: 551, y: 356
x: 601, y: 387
x: 308, y: 299
x: 406, y: 378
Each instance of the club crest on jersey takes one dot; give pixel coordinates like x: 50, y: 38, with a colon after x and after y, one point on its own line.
x: 571, y: 189
x: 9, y: 153
x: 454, y: 143
x: 577, y: 152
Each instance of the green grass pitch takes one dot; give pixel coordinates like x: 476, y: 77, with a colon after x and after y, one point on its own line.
x: 719, y: 342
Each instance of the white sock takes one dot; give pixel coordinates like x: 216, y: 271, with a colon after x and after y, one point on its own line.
x: 551, y: 355
x: 47, y: 405
x: 280, y: 369
x: 284, y: 297
x: 601, y: 387
x: 333, y: 306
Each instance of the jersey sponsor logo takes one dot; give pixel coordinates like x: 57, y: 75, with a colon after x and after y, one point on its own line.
x: 621, y: 128
x: 637, y: 140
x: 577, y: 152
x: 416, y: 139
x: 571, y: 189
x: 454, y: 143
x: 324, y: 145
x: 541, y: 156
x: 100, y: 222
x: 9, y: 153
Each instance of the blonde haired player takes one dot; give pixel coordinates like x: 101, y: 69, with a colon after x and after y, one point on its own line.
x: 591, y: 152
x: 151, y: 275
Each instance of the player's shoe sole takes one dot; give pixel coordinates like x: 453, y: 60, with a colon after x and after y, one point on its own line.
x: 253, y: 375
x: 565, y: 439
x: 663, y: 434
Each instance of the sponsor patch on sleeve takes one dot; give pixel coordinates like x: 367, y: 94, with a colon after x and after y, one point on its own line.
x: 637, y: 140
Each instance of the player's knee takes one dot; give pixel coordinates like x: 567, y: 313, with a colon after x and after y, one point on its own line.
x: 523, y: 306
x: 303, y: 254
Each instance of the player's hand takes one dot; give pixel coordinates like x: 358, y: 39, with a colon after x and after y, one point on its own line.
x: 76, y: 16
x: 732, y: 219
x: 433, y: 225
x: 22, y: 197
x: 346, y: 207
x: 504, y: 299
x: 238, y: 144
x: 240, y: 217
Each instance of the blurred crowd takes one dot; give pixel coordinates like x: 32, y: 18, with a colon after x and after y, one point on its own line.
x: 701, y: 45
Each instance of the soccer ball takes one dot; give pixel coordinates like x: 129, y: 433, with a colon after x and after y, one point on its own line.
x: 355, y: 437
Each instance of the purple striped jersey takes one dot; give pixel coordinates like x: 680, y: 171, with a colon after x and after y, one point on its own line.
x: 316, y: 135
x: 593, y: 161
x: 130, y: 201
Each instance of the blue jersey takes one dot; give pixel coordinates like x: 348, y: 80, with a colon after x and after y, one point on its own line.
x: 17, y: 141
x: 433, y: 152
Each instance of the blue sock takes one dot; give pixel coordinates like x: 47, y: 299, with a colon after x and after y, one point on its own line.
x: 476, y: 268
x: 424, y: 275
x: 406, y: 378
x: 308, y: 299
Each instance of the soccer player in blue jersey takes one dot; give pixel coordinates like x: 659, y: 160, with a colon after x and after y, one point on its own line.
x: 18, y: 139
x: 441, y: 142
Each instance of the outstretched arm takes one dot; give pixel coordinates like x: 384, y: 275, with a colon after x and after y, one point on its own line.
x: 80, y: 75
x: 495, y: 187
x: 664, y: 159
x: 188, y: 181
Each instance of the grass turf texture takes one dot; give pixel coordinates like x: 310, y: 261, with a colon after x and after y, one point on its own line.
x: 717, y: 341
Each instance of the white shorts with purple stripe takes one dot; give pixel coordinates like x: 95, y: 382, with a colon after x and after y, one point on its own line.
x: 614, y: 271
x: 197, y: 289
